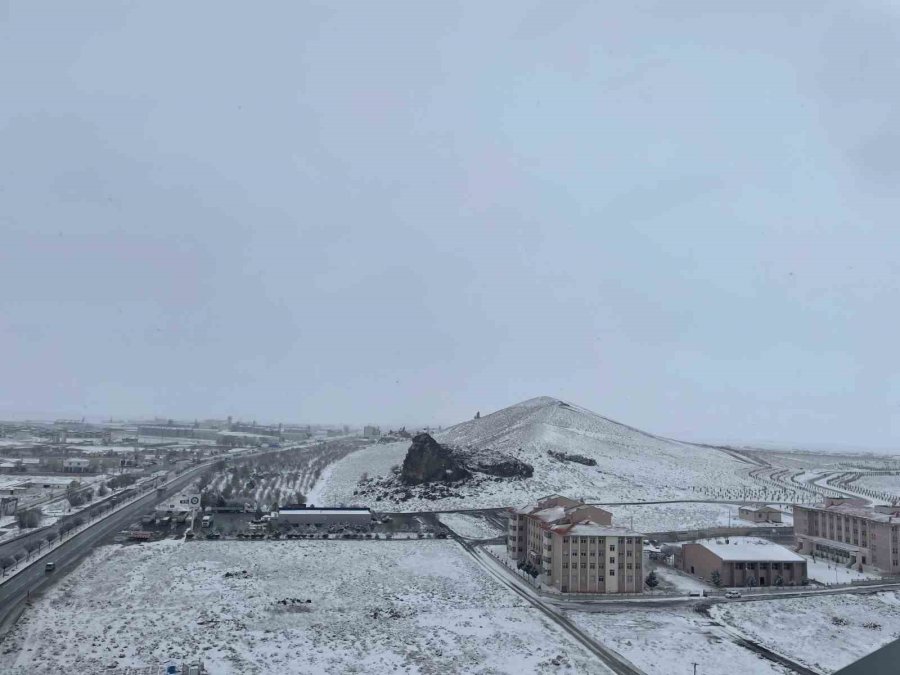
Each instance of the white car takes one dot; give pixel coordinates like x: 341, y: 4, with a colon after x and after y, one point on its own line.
x: 732, y: 594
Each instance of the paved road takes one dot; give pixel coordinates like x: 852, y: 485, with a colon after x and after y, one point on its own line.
x: 14, y: 592
x: 614, y: 662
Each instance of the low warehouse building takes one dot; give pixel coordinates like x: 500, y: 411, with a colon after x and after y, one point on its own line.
x: 333, y: 516
x: 743, y: 561
x: 760, y: 514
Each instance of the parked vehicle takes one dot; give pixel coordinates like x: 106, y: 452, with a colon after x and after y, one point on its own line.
x: 206, y: 522
x: 732, y: 594
x: 697, y: 594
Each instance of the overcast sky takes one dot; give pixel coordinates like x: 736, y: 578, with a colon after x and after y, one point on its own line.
x: 684, y: 216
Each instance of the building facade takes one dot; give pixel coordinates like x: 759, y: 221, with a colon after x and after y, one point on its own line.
x: 335, y: 516
x: 743, y: 561
x: 575, y: 548
x: 760, y: 514
x: 850, y: 532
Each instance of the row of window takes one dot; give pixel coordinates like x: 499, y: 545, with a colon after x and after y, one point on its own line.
x: 592, y: 566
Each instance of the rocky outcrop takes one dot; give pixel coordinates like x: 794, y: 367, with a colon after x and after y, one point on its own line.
x: 498, y: 464
x: 567, y: 457
x: 427, y: 461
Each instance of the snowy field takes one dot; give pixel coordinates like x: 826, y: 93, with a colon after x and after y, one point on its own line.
x: 826, y: 632
x: 685, y: 516
x: 668, y: 641
x: 828, y: 572
x: 889, y: 484
x: 416, y: 607
x: 470, y: 527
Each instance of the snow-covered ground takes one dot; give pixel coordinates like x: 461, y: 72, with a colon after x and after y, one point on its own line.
x: 828, y: 572
x: 824, y: 632
x: 470, y: 527
x: 889, y: 484
x: 376, y: 607
x: 684, y: 516
x: 669, y: 640
x: 672, y: 579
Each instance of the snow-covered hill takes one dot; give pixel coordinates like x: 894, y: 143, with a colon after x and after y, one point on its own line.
x: 631, y: 465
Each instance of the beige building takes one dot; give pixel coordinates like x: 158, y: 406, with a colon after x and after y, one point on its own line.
x: 760, y: 514
x: 850, y: 532
x: 743, y: 561
x: 575, y: 548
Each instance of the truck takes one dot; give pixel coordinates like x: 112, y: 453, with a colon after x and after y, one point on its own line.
x: 206, y: 522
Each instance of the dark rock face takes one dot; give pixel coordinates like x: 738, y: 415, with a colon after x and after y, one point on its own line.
x: 566, y: 457
x: 503, y: 466
x: 428, y: 461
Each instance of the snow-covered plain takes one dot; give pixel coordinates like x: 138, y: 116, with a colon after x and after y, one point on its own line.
x: 828, y: 572
x: 631, y: 465
x: 470, y: 527
x: 377, y: 607
x: 825, y: 632
x: 889, y: 484
x: 685, y: 516
x: 662, y: 641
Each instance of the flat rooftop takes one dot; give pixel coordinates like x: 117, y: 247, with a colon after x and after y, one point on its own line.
x: 867, y: 512
x: 323, y: 512
x: 749, y: 549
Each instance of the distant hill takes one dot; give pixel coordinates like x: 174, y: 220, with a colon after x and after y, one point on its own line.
x: 573, y: 451
x: 630, y: 463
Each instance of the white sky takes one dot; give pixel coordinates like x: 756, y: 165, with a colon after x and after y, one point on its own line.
x: 680, y: 215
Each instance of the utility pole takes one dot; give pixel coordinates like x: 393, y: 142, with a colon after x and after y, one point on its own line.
x: 695, y: 664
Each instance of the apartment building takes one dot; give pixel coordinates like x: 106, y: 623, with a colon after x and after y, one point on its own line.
x: 575, y: 548
x: 742, y: 561
x: 851, y: 532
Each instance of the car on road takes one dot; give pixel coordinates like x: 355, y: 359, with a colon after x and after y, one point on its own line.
x: 49, y: 568
x: 732, y: 594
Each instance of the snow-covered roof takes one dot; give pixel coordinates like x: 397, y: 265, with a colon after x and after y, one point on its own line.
x: 857, y: 510
x: 324, y: 512
x: 757, y: 509
x: 551, y: 514
x: 749, y: 549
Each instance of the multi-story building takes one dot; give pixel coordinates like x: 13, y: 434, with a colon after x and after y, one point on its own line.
x: 371, y: 431
x: 743, y: 561
x: 575, y: 548
x: 849, y: 531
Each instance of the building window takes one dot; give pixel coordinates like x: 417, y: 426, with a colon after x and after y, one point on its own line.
x: 584, y: 566
x: 612, y: 559
x: 612, y: 547
x: 565, y: 565
x: 593, y: 566
x: 627, y: 554
x: 612, y: 573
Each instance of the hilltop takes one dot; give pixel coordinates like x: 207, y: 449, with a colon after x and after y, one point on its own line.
x: 572, y: 450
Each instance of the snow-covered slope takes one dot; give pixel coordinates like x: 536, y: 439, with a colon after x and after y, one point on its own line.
x: 631, y: 465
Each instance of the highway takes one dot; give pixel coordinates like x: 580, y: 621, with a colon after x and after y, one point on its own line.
x: 15, y: 591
